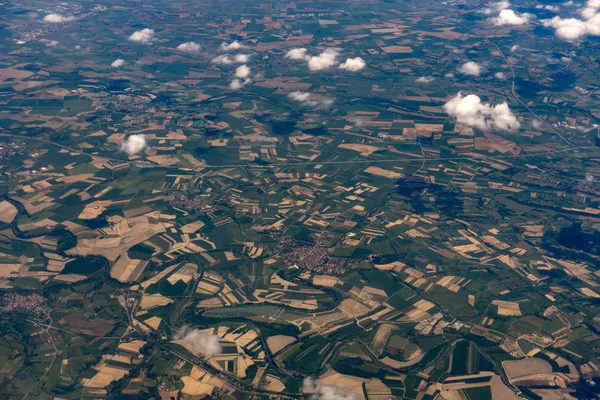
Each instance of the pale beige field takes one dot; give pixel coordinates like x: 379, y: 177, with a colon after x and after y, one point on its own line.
x: 383, y: 172
x: 7, y: 212
x: 525, y: 367
x: 353, y: 308
x: 278, y: 342
x: 507, y: 308
x: 363, y: 149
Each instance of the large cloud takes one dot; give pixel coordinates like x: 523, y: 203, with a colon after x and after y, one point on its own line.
x: 470, y: 68
x: 189, y: 47
x: 325, y: 392
x: 226, y: 60
x: 324, y: 60
x: 134, y: 144
x: 353, y: 64
x: 571, y: 29
x: 119, y: 62
x: 199, y: 342
x: 469, y: 110
x: 57, y: 18
x: 304, y: 98
x: 235, y: 45
x: 509, y: 17
x: 143, y: 36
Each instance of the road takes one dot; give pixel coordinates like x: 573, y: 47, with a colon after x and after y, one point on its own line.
x: 48, y: 326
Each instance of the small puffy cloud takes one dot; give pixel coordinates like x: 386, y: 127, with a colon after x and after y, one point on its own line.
x: 297, y: 54
x: 324, y: 60
x: 226, y: 60
x: 304, y: 99
x: 301, y: 97
x: 189, y: 47
x: 242, y: 71
x: 514, y: 48
x: 134, y: 144
x: 237, y: 84
x: 588, y: 177
x: 470, y: 68
x: 496, y: 7
x: 548, y: 7
x: 143, y: 36
x: 425, y: 79
x: 449, y: 75
x: 119, y: 62
x: 52, y: 43
x: 57, y: 18
x: 509, y: 17
x: 500, y: 75
x: 571, y: 29
x: 469, y: 110
x: 325, y: 392
x: 235, y: 45
x: 353, y: 64
x: 537, y: 124
x: 199, y: 342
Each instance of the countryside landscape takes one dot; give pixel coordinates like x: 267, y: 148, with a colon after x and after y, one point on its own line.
x: 312, y: 199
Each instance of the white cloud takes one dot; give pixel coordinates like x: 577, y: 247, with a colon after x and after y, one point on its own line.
x: 496, y: 7
x: 536, y: 124
x: 325, y: 392
x: 297, y: 54
x: 52, y: 43
x: 189, y: 47
x: 548, y: 7
x: 449, y: 75
x: 571, y: 29
x: 353, y: 64
x: 242, y: 71
x: 514, y: 48
x: 469, y: 110
x: 425, y: 79
x: 143, y: 36
x: 304, y: 99
x: 500, y: 75
x: 237, y: 84
x: 300, y: 97
x: 226, y: 60
x: 200, y: 342
x: 119, y: 62
x: 324, y: 60
x: 509, y: 17
x: 568, y: 29
x: 589, y: 177
x: 235, y: 45
x: 57, y: 18
x: 134, y: 144
x: 470, y: 68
